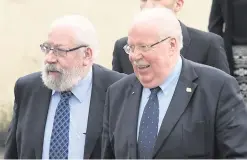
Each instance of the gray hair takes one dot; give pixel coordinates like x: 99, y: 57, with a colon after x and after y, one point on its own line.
x: 164, y: 19
x: 84, y: 30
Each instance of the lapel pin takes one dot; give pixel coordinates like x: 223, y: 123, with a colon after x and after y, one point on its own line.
x: 133, y: 92
x: 188, y: 90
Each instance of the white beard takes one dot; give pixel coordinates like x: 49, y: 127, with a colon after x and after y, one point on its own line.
x: 65, y: 81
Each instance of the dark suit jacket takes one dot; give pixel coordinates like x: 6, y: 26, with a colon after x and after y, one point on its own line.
x: 199, y: 46
x: 232, y: 15
x: 32, y: 98
x: 208, y: 122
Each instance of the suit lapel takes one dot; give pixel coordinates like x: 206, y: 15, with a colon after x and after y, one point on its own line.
x: 182, y: 95
x: 186, y: 40
x: 40, y: 104
x: 130, y: 119
x: 95, y: 119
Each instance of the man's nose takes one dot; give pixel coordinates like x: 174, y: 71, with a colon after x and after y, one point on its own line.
x: 50, y: 57
x: 136, y: 55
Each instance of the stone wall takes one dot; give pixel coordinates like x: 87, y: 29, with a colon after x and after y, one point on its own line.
x: 5, y: 118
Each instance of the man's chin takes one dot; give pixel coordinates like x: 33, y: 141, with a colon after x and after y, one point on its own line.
x: 52, y: 83
x: 148, y: 82
x: 53, y: 78
x: 58, y: 82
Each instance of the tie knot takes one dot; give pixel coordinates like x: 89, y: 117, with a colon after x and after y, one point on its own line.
x: 66, y: 95
x: 155, y: 90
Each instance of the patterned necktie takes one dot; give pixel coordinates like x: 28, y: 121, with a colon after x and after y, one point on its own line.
x: 59, y: 144
x: 149, y: 126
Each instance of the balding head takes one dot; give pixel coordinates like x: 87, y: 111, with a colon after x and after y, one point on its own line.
x: 154, y: 43
x: 161, y: 21
x: 80, y: 28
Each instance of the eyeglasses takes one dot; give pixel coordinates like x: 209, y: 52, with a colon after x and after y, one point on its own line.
x: 143, y: 48
x: 46, y: 48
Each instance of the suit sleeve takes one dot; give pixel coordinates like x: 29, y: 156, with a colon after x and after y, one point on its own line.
x: 116, y: 66
x: 107, y: 146
x: 216, y: 19
x: 11, y: 144
x: 217, y: 54
x: 231, y: 122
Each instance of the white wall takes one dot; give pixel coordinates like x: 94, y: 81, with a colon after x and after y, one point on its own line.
x: 24, y: 23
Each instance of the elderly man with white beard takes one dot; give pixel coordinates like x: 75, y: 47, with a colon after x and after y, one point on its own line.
x: 58, y: 112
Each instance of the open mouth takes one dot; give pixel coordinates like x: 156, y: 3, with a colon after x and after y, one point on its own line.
x: 143, y: 66
x: 53, y: 72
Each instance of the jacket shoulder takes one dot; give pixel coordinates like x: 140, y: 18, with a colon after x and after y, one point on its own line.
x: 30, y: 79
x: 122, y: 41
x: 123, y: 83
x: 108, y: 75
x: 202, y: 35
x: 209, y: 73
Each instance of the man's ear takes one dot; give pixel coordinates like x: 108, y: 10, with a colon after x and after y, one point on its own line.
x: 88, y: 56
x: 178, y: 5
x: 173, y: 45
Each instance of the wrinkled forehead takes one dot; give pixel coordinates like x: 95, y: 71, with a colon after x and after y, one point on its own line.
x: 61, y: 35
x: 143, y: 32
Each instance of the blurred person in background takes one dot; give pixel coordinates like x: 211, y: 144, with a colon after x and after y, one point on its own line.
x: 228, y: 19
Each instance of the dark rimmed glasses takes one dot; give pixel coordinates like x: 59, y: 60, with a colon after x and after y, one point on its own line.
x: 47, y: 48
x: 143, y: 48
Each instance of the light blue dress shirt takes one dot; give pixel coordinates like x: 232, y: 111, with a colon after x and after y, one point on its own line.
x: 79, y: 108
x: 164, y: 96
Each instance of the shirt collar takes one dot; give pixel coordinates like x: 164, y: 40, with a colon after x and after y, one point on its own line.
x: 173, y: 76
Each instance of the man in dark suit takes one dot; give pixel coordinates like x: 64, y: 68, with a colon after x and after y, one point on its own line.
x: 61, y: 117
x: 199, y: 46
x: 171, y: 107
x: 227, y: 20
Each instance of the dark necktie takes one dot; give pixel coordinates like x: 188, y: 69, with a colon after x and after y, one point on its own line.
x: 149, y: 126
x: 59, y: 143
